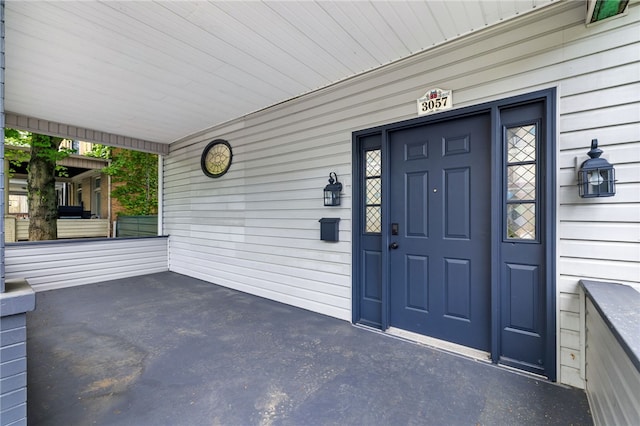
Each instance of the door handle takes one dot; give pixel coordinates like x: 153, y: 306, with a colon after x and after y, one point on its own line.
x: 393, y: 245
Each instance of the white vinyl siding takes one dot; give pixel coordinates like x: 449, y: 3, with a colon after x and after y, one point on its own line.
x: 49, y: 265
x: 256, y: 229
x: 613, y: 396
x: 598, y: 238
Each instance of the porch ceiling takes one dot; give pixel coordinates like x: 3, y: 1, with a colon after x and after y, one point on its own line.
x: 160, y: 71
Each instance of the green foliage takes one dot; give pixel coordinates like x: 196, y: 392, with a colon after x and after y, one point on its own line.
x: 48, y: 149
x: 134, y: 176
x: 17, y: 137
x: 16, y: 156
x: 100, y: 151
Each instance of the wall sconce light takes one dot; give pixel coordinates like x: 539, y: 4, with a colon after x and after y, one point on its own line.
x: 596, y: 177
x: 332, y: 191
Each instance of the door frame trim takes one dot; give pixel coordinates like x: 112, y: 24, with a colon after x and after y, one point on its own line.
x: 548, y: 96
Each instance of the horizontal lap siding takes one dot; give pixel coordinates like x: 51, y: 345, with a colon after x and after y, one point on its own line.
x: 611, y: 375
x: 61, y: 264
x: 598, y: 238
x: 256, y: 228
x: 67, y: 228
x: 83, y: 228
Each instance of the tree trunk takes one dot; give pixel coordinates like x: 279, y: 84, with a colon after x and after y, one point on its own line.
x: 41, y: 188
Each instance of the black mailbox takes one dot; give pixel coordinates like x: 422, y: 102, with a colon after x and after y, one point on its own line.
x: 329, y: 228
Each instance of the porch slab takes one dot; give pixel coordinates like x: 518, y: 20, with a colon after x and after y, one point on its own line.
x: 166, y: 349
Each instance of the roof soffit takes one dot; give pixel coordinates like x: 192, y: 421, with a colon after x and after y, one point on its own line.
x: 158, y: 71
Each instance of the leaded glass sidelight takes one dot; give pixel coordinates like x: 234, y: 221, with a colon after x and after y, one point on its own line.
x: 521, y: 182
x: 373, y: 191
x: 521, y: 221
x: 521, y: 144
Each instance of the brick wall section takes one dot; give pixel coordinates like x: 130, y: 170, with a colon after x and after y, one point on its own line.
x: 13, y: 370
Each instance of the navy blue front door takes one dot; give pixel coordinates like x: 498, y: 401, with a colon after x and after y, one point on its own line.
x: 453, y: 229
x: 440, y: 226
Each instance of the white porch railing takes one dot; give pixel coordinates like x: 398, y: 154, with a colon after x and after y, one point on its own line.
x: 55, y: 264
x: 18, y: 229
x: 612, y: 352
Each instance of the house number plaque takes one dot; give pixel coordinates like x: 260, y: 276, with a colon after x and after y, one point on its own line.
x: 435, y: 100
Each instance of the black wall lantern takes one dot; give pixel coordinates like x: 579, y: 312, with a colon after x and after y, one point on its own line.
x: 596, y: 177
x: 332, y: 191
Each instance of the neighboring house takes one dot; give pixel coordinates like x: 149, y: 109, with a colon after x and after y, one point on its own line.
x: 90, y: 188
x: 85, y: 185
x: 462, y: 227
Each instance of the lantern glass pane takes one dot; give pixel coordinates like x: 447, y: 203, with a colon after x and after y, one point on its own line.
x: 610, y: 181
x: 596, y: 182
x: 330, y: 198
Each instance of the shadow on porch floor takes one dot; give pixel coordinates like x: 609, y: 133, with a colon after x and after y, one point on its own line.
x: 165, y: 349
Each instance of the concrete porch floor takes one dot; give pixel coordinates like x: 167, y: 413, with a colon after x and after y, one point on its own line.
x: 165, y: 349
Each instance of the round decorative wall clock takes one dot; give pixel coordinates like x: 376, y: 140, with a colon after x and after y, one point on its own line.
x: 216, y: 158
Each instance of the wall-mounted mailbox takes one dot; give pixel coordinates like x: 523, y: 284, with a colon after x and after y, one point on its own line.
x: 329, y: 228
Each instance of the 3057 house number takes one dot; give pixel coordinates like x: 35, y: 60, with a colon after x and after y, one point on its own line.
x: 434, y: 104
x: 435, y: 100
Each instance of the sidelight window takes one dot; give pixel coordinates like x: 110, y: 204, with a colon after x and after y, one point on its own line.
x: 521, y: 184
x: 373, y: 191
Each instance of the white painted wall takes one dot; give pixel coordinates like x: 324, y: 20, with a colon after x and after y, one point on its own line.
x: 256, y: 228
x: 48, y: 265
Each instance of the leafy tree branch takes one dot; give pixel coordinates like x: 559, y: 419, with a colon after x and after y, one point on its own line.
x: 134, y: 177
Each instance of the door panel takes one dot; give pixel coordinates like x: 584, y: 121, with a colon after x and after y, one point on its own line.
x: 457, y: 281
x: 417, y: 273
x: 440, y: 272
x: 417, y: 204
x: 371, y: 272
x: 457, y: 213
x: 523, y: 279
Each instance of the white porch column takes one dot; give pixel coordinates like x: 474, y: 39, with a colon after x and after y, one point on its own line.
x: 2, y: 165
x: 16, y: 299
x: 160, y: 191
